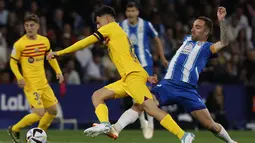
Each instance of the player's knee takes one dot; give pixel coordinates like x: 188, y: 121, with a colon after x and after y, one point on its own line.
x: 137, y: 107
x: 96, y: 97
x: 53, y: 111
x: 40, y: 113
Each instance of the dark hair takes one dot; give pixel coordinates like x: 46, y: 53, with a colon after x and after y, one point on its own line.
x: 132, y: 4
x: 105, y: 10
x: 32, y: 17
x: 208, y: 23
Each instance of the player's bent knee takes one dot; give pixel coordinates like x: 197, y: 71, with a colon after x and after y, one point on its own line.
x: 52, y: 110
x: 40, y: 113
x: 97, y: 97
x: 137, y: 107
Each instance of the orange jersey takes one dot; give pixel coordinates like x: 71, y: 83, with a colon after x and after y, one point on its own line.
x: 31, y: 55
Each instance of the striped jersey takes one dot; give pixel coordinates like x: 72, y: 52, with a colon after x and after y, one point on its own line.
x: 189, y: 60
x: 31, y: 55
x: 140, y: 35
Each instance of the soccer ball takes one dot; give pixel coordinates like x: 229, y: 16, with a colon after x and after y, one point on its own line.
x: 36, y: 135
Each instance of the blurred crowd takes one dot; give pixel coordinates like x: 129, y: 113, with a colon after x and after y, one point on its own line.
x: 66, y: 21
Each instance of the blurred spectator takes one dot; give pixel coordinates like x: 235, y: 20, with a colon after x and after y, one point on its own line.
x: 5, y: 77
x: 3, y: 52
x: 68, y: 34
x: 19, y: 9
x: 244, y: 43
x: 248, y: 69
x: 242, y: 21
x: 84, y: 56
x: 70, y: 74
x: 251, y: 10
x: 78, y: 22
x: 43, y: 26
x: 169, y: 16
x: 95, y: 70
x: 3, y: 13
x: 58, y: 22
x: 233, y: 29
x: 34, y: 9
x: 170, y: 46
x: 215, y: 104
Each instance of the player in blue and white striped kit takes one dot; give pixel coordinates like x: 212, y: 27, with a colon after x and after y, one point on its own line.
x: 180, y: 82
x: 140, y: 33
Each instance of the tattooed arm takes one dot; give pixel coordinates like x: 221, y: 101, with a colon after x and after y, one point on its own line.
x: 223, y: 31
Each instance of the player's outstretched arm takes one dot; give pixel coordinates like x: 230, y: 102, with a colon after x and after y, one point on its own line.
x: 75, y: 47
x: 221, y: 13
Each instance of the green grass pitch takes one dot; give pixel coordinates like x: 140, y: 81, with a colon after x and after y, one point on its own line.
x: 133, y: 136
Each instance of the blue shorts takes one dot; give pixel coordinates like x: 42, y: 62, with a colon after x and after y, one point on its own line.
x: 169, y: 92
x: 149, y: 70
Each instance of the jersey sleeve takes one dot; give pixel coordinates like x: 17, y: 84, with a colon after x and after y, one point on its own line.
x: 104, y: 32
x: 151, y: 31
x: 47, y: 42
x: 16, y: 51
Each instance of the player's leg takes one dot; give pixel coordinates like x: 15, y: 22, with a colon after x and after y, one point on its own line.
x: 193, y: 103
x: 147, y: 125
x: 204, y: 117
x: 34, y: 99
x: 114, y: 90
x: 98, y: 100
x: 128, y: 117
x: 50, y: 104
x: 136, y: 85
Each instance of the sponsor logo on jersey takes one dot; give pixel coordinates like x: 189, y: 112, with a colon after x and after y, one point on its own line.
x: 31, y: 60
x: 187, y: 48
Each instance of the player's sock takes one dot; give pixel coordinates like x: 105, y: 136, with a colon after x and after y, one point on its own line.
x: 46, y: 121
x: 128, y: 117
x: 150, y: 120
x: 102, y: 113
x: 142, y: 119
x: 26, y: 121
x: 168, y: 123
x: 223, y: 135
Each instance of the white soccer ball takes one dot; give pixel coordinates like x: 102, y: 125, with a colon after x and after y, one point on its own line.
x: 36, y: 135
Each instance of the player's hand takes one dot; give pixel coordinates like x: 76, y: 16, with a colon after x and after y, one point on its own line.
x: 21, y: 83
x: 165, y: 63
x: 221, y: 13
x: 51, y: 55
x: 60, y: 77
x: 153, y: 79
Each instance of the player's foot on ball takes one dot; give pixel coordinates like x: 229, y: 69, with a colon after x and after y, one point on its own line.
x: 14, y: 135
x: 98, y: 129
x: 188, y: 138
x: 113, y: 133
